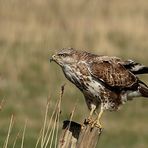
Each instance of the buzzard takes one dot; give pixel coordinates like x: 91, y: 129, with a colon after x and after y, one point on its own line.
x: 106, y: 82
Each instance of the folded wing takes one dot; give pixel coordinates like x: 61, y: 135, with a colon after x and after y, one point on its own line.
x: 112, y: 73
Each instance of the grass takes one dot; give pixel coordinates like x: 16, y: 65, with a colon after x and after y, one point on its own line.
x: 8, y: 135
x: 134, y: 131
x: 49, y: 133
x: 31, y: 31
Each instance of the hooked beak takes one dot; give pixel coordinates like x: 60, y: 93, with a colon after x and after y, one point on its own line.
x: 51, y: 58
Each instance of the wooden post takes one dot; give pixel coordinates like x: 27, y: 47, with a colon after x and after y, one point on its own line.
x: 76, y: 136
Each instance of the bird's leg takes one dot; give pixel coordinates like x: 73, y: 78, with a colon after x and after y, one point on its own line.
x: 89, y: 119
x: 97, y: 121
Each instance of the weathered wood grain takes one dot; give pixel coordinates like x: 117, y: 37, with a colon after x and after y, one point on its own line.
x: 74, y: 135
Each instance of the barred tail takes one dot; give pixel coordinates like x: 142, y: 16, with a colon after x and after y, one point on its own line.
x: 135, y: 68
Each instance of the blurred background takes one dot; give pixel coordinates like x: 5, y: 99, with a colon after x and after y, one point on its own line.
x: 32, y: 30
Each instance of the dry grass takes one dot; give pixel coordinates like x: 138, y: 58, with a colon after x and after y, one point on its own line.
x: 9, y: 131
x: 32, y: 30
x: 48, y: 137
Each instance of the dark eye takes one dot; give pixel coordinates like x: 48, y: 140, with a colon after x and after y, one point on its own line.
x: 62, y: 55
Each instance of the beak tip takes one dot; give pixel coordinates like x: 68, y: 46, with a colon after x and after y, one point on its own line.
x: 50, y: 60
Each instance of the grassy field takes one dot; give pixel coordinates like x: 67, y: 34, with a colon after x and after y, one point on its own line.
x: 31, y: 31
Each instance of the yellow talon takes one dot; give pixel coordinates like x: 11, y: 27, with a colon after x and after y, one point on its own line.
x: 89, y: 120
x: 97, y: 121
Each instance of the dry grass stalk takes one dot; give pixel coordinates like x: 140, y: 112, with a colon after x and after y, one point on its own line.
x: 9, y: 131
x: 23, y: 137
x: 67, y: 134
x: 39, y: 138
x: 44, y: 126
x: 53, y: 133
x: 46, y: 135
x: 15, y: 140
x: 56, y: 112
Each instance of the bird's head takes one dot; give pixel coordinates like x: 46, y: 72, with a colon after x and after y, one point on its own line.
x: 65, y: 56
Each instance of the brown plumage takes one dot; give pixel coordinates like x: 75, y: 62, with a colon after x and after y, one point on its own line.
x: 105, y: 81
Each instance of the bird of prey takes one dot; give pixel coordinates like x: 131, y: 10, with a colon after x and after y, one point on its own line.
x: 106, y: 82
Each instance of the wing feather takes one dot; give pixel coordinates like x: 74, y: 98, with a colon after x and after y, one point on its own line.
x: 134, y: 67
x: 112, y: 73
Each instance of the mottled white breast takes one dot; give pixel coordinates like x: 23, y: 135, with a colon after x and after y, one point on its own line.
x: 69, y: 74
x: 93, y: 87
x: 89, y: 86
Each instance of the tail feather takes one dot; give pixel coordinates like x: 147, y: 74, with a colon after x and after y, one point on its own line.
x: 140, y: 70
x: 135, y: 68
x: 143, y: 90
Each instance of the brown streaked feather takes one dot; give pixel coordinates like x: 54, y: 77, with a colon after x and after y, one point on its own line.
x: 112, y: 73
x: 83, y: 68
